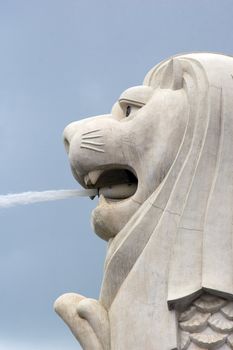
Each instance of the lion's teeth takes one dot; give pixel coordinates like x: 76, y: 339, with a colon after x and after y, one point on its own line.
x: 94, y: 175
x: 87, y: 180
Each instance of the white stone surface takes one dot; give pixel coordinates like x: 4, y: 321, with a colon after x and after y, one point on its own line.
x: 163, y: 163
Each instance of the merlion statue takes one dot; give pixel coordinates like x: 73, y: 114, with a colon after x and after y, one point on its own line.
x: 162, y: 161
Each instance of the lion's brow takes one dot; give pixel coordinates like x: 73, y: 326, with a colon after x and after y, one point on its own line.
x: 129, y: 101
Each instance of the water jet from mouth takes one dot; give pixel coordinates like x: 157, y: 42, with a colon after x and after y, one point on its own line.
x: 9, y: 200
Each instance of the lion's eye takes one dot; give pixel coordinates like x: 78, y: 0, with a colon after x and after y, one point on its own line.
x: 128, y: 111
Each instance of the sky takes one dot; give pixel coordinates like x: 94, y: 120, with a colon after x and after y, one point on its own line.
x: 62, y: 61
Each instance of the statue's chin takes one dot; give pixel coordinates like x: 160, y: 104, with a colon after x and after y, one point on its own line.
x: 109, y: 218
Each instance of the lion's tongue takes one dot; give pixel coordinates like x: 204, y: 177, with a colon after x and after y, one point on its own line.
x: 120, y: 191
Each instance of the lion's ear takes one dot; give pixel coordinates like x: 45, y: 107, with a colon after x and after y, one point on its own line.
x: 172, y: 77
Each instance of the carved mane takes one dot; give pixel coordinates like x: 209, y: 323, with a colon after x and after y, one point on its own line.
x: 190, y: 215
x: 178, y: 244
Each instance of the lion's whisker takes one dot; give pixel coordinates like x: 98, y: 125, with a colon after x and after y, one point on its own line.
x: 93, y: 148
x: 90, y: 132
x: 91, y: 137
x: 93, y: 143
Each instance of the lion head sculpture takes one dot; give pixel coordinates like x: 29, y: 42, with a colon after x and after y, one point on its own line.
x: 127, y: 154
x: 162, y: 162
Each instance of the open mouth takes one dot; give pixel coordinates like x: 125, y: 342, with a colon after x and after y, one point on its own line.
x: 113, y: 184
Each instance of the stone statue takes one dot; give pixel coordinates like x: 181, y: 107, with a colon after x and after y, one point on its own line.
x: 163, y: 164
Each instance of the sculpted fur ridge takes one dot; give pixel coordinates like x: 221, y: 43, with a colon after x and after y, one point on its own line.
x: 162, y: 164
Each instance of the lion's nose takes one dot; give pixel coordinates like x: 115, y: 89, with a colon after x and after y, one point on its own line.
x: 68, y: 134
x: 66, y: 144
x: 83, y: 127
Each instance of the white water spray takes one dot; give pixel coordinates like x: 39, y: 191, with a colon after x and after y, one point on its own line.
x: 10, y: 200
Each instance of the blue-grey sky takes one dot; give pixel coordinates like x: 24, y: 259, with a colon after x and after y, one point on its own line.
x: 63, y: 60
